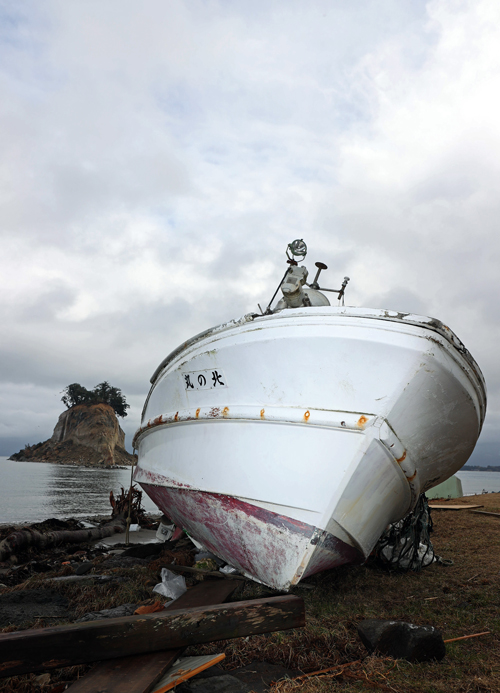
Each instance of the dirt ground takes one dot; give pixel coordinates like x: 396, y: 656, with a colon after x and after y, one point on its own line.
x: 460, y: 599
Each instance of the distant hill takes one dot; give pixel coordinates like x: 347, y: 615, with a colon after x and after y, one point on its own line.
x: 477, y: 468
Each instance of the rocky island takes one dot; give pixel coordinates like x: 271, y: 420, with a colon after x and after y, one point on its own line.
x: 87, y: 433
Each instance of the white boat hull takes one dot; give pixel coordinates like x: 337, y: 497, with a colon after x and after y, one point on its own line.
x: 287, y: 443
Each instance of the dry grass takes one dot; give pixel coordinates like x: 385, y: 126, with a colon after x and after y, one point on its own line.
x: 459, y: 600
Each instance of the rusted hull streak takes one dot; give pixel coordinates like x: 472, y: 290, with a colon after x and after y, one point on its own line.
x: 264, y: 545
x: 296, y: 415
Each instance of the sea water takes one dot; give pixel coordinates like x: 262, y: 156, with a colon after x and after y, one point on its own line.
x: 479, y: 482
x: 35, y: 491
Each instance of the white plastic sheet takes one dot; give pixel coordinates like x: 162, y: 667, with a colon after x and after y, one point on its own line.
x: 171, y: 586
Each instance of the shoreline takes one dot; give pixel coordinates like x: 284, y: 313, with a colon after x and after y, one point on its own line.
x: 152, y: 515
x: 459, y: 597
x: 76, y: 464
x: 476, y: 468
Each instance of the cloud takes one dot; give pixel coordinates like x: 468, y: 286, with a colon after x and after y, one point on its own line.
x: 156, y: 160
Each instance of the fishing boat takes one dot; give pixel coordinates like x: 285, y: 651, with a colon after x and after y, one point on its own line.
x: 286, y: 441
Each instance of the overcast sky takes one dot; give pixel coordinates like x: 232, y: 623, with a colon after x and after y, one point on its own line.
x: 158, y: 156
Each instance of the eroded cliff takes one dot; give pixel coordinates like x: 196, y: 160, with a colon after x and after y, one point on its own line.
x: 85, y: 434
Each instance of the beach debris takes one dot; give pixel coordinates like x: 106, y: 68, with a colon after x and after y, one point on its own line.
x: 184, y: 669
x: 150, y: 608
x: 116, y: 612
x: 166, y: 529
x: 22, y: 539
x: 42, y: 679
x: 115, y: 675
x: 93, y: 578
x: 129, y: 500
x: 205, y: 565
x: 145, y: 536
x: 171, y: 586
x: 229, y: 570
x: 211, y: 573
x: 467, y: 637
x: 402, y: 640
x: 60, y: 646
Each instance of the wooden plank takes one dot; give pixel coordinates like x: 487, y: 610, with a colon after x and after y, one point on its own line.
x: 454, y: 507
x: 140, y: 673
x: 27, y: 651
x: 485, y: 512
x: 137, y: 674
x: 204, y: 594
x: 185, y: 669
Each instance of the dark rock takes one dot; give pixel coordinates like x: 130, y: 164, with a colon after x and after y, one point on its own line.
x: 84, y: 568
x: 27, y: 605
x: 402, y: 640
x: 143, y: 550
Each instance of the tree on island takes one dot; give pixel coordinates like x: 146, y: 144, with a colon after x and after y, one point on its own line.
x: 103, y: 393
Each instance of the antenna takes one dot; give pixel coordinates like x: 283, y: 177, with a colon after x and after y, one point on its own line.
x: 321, y: 266
x: 297, y: 250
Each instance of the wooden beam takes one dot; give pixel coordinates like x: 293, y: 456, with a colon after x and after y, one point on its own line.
x: 139, y: 673
x: 450, y: 506
x: 27, y: 651
x: 484, y: 512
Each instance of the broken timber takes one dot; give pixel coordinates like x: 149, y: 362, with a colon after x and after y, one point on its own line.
x: 139, y: 673
x: 60, y: 646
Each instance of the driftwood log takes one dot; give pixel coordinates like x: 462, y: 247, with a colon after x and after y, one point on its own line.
x: 22, y: 539
x: 61, y: 646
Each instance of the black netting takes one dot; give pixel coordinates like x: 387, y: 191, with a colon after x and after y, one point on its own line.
x: 406, y: 545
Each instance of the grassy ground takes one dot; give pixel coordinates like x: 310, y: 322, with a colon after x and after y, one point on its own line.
x: 460, y: 599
